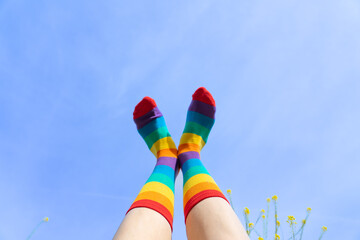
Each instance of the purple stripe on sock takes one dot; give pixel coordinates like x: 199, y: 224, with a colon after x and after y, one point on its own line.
x: 203, y: 108
x: 148, y: 117
x: 183, y: 157
x: 168, y: 161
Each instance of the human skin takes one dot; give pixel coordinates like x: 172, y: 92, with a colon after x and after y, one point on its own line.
x: 211, y: 219
x: 214, y: 219
x: 143, y: 223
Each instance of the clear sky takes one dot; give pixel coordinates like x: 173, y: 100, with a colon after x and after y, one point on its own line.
x: 285, y: 75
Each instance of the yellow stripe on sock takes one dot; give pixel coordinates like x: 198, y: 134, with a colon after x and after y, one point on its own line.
x: 161, y: 144
x: 158, y: 187
x: 199, y: 178
x: 192, y: 138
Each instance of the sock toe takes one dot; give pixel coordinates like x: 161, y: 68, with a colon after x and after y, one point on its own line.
x: 144, y: 106
x: 203, y: 95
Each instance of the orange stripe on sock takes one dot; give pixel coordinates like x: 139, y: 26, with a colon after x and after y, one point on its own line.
x: 157, y: 197
x: 169, y: 152
x: 187, y: 147
x: 199, y: 188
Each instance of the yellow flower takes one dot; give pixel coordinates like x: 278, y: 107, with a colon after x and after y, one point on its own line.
x: 251, y: 225
x: 246, y: 211
x: 278, y: 223
x: 291, y: 218
x: 45, y: 219
x: 268, y: 199
x: 274, y: 198
x: 262, y: 210
x: 277, y: 237
x: 324, y: 228
x: 303, y: 221
x: 276, y: 215
x: 228, y: 191
x: 263, y: 216
x: 308, y: 209
x: 260, y: 238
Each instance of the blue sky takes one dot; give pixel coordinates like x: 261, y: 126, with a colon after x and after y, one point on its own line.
x: 285, y: 76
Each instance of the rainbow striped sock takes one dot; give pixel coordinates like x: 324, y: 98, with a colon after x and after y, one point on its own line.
x: 198, y: 184
x: 158, y: 191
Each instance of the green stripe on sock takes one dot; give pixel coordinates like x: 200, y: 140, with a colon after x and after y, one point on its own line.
x: 200, y: 119
x: 193, y: 127
x: 156, y: 135
x: 194, y: 171
x: 152, y: 126
x: 168, y: 171
x: 162, y: 178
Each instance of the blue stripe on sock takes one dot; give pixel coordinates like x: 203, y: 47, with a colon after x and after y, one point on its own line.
x: 200, y: 119
x: 190, y: 163
x: 162, y: 178
x: 152, y: 126
x: 166, y: 170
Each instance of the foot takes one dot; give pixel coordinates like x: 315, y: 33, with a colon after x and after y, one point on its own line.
x: 152, y: 127
x: 199, y: 121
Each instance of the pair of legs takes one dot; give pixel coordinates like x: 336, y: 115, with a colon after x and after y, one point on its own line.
x: 210, y: 219
x: 208, y: 215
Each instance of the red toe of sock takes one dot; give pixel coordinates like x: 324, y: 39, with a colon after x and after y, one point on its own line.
x: 203, y: 95
x: 144, y: 106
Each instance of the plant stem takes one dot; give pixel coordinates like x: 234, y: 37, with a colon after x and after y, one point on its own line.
x: 276, y: 218
x: 33, y: 231
x: 267, y: 221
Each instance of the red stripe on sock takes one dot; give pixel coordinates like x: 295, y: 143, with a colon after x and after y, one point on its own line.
x: 199, y: 197
x: 203, y: 95
x: 156, y: 207
x: 144, y: 106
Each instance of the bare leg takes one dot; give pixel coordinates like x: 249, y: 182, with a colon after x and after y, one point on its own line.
x: 143, y: 223
x: 213, y: 219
